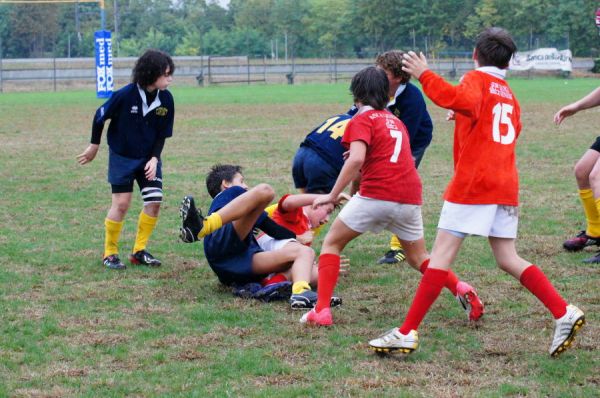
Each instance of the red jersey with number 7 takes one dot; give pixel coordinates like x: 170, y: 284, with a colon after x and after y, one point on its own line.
x: 388, y: 172
x: 488, y: 123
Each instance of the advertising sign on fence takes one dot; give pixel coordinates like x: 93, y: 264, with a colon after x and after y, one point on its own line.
x: 542, y: 59
x: 104, y: 64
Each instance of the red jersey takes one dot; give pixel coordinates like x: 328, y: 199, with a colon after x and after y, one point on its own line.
x: 294, y: 220
x: 388, y: 172
x: 488, y: 122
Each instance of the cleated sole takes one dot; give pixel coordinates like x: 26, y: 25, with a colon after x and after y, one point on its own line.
x: 385, y: 351
x: 579, y: 323
x: 307, y: 305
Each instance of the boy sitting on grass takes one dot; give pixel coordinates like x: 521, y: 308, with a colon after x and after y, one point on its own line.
x: 229, y: 243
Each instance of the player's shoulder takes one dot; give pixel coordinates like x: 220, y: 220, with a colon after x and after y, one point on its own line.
x: 165, y: 95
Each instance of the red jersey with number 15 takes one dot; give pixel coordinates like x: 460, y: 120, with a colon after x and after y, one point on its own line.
x: 488, y: 123
x: 388, y: 172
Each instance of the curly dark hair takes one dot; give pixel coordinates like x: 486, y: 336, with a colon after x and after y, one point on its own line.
x: 217, y: 174
x: 150, y: 66
x: 370, y: 87
x: 495, y: 47
x: 392, y: 62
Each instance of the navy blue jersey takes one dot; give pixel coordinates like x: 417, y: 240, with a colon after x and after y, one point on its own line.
x: 409, y: 106
x: 222, y: 244
x: 326, y: 140
x: 131, y: 133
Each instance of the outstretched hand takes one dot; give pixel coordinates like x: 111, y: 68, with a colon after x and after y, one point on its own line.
x: 344, y: 265
x: 88, y: 155
x: 564, y: 112
x: 414, y: 64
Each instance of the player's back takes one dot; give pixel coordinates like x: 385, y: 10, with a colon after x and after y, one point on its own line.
x: 388, y: 172
x: 484, y: 143
x: 326, y: 139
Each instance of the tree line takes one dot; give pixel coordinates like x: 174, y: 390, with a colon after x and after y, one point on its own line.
x: 294, y: 28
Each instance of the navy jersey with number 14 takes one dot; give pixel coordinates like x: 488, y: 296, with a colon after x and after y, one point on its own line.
x: 326, y: 140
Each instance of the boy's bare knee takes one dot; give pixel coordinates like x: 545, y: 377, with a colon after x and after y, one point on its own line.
x: 121, y: 206
x: 265, y: 191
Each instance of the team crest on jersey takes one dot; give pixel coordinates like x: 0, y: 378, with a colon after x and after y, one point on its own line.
x: 390, y: 124
x: 161, y: 111
x: 134, y: 109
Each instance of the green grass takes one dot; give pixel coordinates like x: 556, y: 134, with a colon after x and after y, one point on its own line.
x: 68, y: 327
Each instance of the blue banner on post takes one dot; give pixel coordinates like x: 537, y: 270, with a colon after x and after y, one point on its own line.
x: 104, y: 64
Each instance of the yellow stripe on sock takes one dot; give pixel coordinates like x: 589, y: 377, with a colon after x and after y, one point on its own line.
x: 112, y: 232
x: 145, y: 227
x: 211, y: 224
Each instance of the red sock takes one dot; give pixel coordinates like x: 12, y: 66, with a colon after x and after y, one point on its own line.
x: 428, y: 291
x: 451, y: 281
x: 274, y: 278
x: 329, y: 270
x: 536, y: 282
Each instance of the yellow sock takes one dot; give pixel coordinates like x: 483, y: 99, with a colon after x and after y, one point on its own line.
x: 211, y: 224
x: 395, y: 243
x: 112, y: 231
x: 317, y: 230
x: 300, y: 286
x: 590, y: 209
x: 592, y: 216
x: 145, y: 227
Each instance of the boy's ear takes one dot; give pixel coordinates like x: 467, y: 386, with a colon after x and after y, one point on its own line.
x: 225, y: 184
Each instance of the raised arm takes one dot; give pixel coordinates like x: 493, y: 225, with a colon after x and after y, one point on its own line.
x: 589, y: 101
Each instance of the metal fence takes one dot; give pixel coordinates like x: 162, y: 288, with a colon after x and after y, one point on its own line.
x: 61, y: 73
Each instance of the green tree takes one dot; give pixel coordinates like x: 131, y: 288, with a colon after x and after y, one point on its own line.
x: 33, y: 29
x: 486, y: 15
x: 326, y: 24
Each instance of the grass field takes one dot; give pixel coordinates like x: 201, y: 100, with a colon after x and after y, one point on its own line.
x: 69, y: 327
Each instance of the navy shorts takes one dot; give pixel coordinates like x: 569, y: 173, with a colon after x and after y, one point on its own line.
x: 312, y: 173
x: 596, y: 145
x: 123, y: 171
x: 230, y: 257
x: 417, y: 155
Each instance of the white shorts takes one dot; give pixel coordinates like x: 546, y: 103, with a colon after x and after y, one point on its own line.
x: 269, y: 244
x: 363, y: 214
x: 498, y: 221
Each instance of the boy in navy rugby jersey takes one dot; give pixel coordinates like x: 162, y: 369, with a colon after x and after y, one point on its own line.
x: 319, y: 159
x: 141, y: 118
x: 231, y: 248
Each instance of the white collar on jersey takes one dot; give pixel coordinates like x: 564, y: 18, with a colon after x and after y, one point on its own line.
x: 398, y: 92
x: 364, y: 109
x: 494, y: 71
x: 155, y: 104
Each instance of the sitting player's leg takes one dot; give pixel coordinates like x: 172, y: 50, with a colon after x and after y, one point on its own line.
x: 569, y: 319
x: 294, y: 260
x: 121, y: 199
x: 329, y: 268
x: 243, y: 212
x: 587, y: 175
